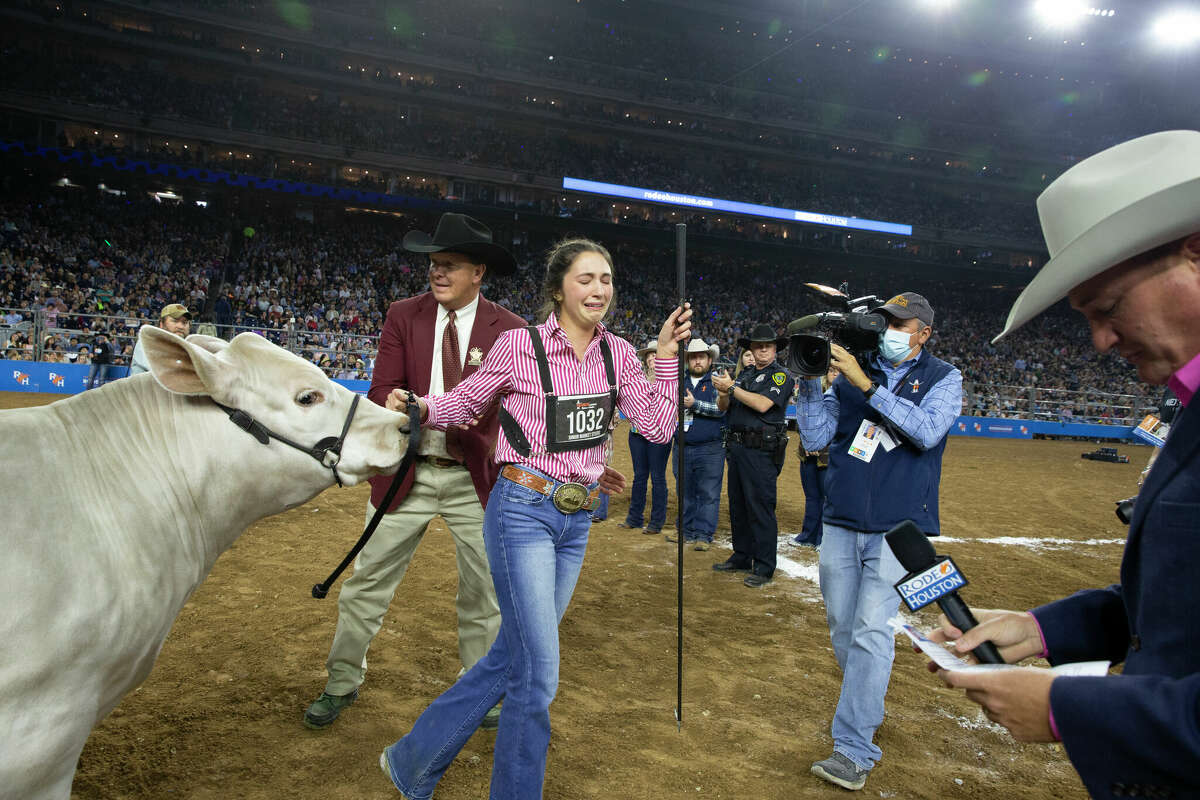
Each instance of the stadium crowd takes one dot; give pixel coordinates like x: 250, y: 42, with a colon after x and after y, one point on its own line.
x: 110, y: 263
x: 914, y: 96
x: 297, y: 113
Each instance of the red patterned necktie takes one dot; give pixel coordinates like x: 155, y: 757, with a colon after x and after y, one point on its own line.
x: 451, y: 375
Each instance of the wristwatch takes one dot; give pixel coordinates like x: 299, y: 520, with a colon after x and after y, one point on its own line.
x: 870, y: 390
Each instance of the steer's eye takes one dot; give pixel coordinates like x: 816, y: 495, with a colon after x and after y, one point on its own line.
x: 309, y: 397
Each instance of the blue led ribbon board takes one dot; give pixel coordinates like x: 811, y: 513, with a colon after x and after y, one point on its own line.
x: 732, y: 206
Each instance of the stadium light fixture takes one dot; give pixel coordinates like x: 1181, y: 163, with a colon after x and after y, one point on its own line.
x: 1060, y: 13
x: 1176, y: 29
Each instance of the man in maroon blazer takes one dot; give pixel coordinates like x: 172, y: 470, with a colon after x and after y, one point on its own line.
x: 429, y: 344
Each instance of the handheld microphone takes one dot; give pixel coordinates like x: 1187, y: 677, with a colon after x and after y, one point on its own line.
x: 933, y: 578
x: 804, y: 323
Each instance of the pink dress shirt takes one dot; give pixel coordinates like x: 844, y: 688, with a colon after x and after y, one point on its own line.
x: 509, y: 372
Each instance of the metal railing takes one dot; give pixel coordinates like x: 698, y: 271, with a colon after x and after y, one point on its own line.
x: 41, y: 335
x: 1066, y: 405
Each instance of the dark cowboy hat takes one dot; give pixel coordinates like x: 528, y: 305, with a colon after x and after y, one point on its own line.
x: 763, y: 333
x: 458, y: 233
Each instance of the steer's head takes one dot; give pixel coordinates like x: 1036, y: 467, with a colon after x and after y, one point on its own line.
x: 283, y: 392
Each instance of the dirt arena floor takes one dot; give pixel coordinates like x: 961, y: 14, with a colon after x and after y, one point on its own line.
x: 220, y: 715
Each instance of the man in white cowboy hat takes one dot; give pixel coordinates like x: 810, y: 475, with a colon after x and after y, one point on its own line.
x: 1123, y: 231
x: 429, y: 344
x: 704, y: 455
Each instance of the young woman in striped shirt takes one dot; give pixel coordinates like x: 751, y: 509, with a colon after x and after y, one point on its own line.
x: 558, y: 385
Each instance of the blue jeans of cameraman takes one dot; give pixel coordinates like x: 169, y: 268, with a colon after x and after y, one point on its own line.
x: 704, y: 467
x: 649, y: 466
x: 812, y: 481
x: 535, y: 552
x: 858, y: 571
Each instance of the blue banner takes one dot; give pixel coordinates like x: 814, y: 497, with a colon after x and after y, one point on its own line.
x: 998, y: 428
x: 41, y: 376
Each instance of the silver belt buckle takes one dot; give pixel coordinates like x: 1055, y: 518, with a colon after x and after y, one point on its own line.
x: 569, y: 497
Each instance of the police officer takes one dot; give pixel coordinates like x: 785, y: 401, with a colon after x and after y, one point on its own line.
x: 755, y: 444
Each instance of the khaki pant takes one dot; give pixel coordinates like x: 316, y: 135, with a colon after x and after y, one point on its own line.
x: 379, y: 568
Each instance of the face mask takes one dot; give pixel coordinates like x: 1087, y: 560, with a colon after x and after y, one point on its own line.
x: 893, y: 345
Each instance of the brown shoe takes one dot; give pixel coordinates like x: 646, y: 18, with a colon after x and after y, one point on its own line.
x: 651, y: 531
x: 702, y: 545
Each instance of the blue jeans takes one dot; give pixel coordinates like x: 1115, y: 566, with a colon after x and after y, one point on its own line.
x: 601, y: 512
x: 649, y: 463
x: 535, y: 552
x: 704, y: 465
x: 812, y: 480
x: 857, y: 574
x: 100, y: 370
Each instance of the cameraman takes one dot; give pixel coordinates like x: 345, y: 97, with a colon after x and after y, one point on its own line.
x: 886, y: 430
x: 755, y: 446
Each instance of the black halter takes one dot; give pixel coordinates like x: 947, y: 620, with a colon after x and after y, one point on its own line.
x: 328, y: 451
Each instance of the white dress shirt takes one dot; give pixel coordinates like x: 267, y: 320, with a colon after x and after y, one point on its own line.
x: 433, y: 442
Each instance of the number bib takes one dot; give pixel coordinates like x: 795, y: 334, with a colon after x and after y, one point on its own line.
x: 577, y: 421
x: 573, y: 422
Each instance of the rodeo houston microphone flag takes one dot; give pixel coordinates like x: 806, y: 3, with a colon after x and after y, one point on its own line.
x: 680, y: 473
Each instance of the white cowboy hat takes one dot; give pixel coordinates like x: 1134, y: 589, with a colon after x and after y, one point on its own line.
x: 1110, y: 207
x: 698, y: 346
x: 651, y: 346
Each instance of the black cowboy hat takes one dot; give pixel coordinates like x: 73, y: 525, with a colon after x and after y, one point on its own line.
x: 763, y: 333
x: 458, y: 233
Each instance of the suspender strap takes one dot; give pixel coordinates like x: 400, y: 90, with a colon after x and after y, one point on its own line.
x: 610, y: 373
x: 543, y: 362
x: 512, y: 431
x: 514, y: 434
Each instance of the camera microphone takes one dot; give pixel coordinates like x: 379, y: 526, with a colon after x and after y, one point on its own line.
x: 933, y: 578
x: 804, y: 323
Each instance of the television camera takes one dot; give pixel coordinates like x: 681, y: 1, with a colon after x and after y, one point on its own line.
x: 855, y: 325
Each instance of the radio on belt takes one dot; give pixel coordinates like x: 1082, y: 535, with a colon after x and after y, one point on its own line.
x: 926, y: 586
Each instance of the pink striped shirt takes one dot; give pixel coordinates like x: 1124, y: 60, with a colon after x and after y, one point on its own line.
x: 509, y: 372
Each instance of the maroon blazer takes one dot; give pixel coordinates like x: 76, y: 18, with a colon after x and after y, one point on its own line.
x: 404, y: 362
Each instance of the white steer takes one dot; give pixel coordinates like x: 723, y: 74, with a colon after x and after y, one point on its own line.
x: 116, y: 504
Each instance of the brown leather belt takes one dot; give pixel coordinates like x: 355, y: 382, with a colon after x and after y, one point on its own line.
x: 567, y: 497
x: 439, y: 462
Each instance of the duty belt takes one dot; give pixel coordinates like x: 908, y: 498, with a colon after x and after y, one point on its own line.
x: 567, y: 497
x: 755, y: 438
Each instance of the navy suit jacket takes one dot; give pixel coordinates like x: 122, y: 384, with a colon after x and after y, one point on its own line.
x: 1138, y: 734
x: 405, y: 361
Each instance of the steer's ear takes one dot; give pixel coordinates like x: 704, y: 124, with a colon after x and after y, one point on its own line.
x: 212, y: 344
x: 179, y: 365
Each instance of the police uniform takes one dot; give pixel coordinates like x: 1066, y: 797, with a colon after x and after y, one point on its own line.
x: 755, y: 445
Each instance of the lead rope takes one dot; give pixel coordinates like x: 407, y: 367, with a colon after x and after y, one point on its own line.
x: 320, y: 590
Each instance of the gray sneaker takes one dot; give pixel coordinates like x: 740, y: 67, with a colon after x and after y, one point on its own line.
x: 325, y: 709
x: 842, y: 771
x: 491, y: 720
